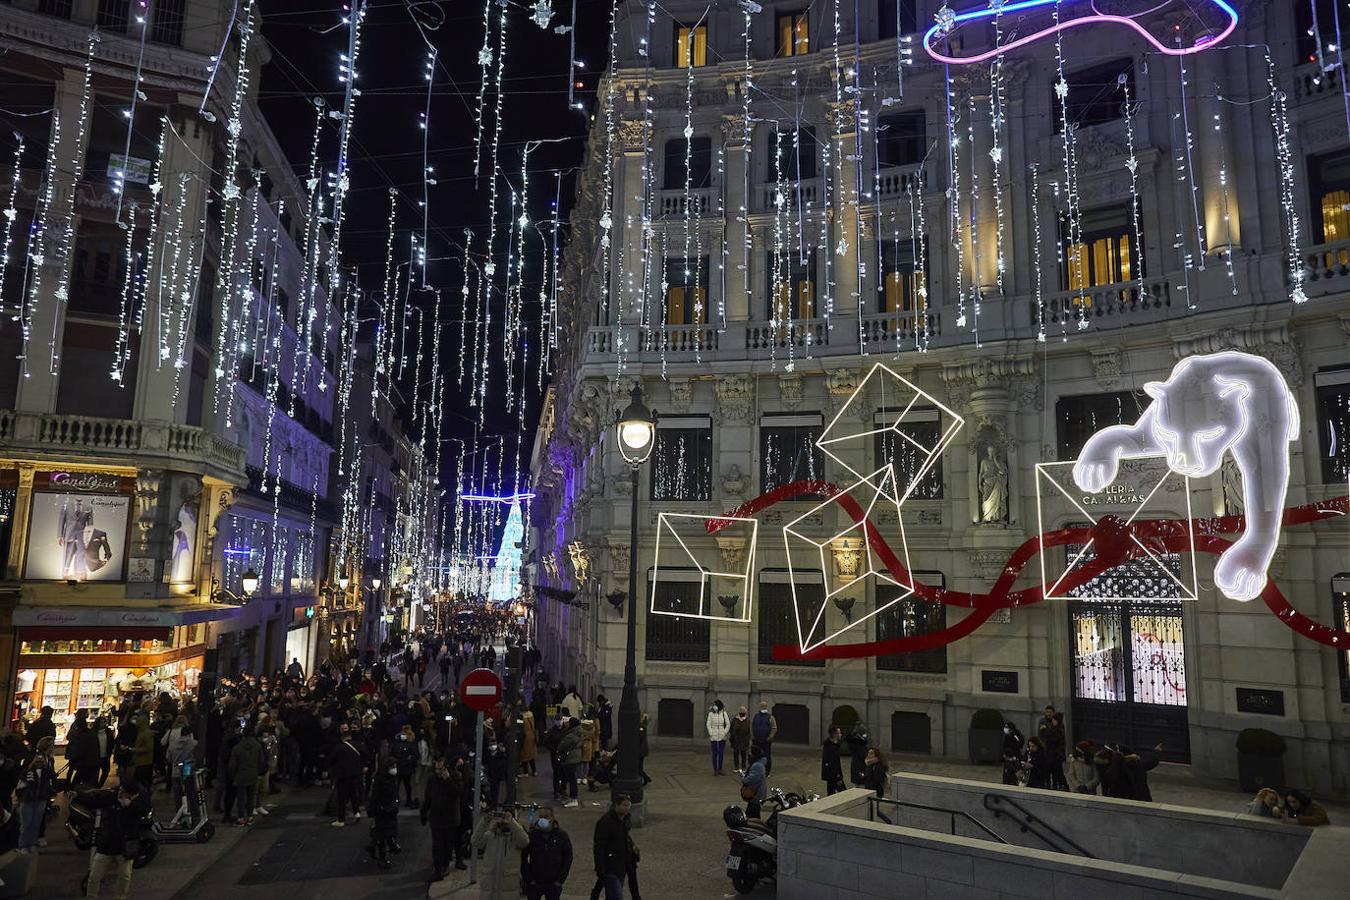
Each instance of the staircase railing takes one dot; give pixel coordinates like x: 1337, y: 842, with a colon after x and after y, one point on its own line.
x: 873, y: 812
x: 1029, y: 822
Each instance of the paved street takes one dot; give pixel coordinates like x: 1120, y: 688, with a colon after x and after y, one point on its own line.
x: 295, y: 855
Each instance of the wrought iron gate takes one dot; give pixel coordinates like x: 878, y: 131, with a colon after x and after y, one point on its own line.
x: 1129, y: 661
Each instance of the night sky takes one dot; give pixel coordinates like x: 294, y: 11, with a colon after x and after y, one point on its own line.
x: 305, y: 39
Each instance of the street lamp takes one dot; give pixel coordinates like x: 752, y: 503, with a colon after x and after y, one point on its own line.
x: 637, y: 437
x: 249, y: 582
x: 375, y: 583
x: 343, y: 581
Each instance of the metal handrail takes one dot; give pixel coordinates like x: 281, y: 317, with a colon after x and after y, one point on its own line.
x: 938, y: 809
x: 991, y: 802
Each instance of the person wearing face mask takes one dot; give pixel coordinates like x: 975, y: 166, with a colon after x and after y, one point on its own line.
x: 739, y: 733
x: 547, y: 859
x: 383, y: 809
x: 718, y: 724
x: 404, y: 753
x: 494, y: 768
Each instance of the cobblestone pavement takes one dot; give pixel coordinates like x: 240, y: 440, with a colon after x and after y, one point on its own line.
x: 294, y: 854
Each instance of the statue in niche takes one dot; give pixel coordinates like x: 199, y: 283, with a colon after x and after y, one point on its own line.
x: 993, y: 483
x: 1230, y: 477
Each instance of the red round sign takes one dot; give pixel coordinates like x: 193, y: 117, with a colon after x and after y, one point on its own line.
x: 481, y: 690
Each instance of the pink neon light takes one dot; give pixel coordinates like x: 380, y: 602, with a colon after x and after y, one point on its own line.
x: 1082, y: 20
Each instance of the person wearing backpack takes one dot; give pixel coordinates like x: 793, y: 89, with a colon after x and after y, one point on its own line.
x: 547, y: 859
x: 763, y: 729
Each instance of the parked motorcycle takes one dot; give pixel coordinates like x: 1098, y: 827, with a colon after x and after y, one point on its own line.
x: 754, y: 842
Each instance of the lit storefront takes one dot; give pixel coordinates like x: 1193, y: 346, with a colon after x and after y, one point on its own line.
x: 93, y: 659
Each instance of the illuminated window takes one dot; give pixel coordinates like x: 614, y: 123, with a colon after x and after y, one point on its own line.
x: 792, y: 288
x: 903, y: 281
x: 1104, y: 254
x: 793, y: 35
x: 687, y: 291
x: 1329, y: 181
x: 691, y: 40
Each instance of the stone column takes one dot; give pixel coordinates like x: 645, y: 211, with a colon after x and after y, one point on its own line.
x: 37, y: 392
x: 844, y: 235
x: 735, y: 187
x: 158, y: 380
x: 626, y: 230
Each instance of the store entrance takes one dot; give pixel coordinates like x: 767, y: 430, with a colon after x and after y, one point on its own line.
x: 1129, y: 676
x: 1128, y: 656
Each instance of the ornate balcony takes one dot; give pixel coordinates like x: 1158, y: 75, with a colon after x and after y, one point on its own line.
x: 121, y: 441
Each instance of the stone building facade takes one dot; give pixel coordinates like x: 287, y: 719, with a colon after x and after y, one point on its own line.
x: 1035, y: 326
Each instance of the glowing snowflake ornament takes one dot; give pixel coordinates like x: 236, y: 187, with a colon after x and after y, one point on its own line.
x: 542, y: 14
x: 945, y: 18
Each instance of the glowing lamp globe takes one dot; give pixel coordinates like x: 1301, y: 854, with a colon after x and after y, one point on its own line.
x: 375, y: 583
x: 343, y: 581
x: 637, y: 431
x: 249, y: 582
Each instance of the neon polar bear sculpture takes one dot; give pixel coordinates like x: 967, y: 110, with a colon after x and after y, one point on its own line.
x: 1065, y: 18
x: 1221, y: 402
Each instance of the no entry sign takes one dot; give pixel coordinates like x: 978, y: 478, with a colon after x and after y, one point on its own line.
x: 481, y: 690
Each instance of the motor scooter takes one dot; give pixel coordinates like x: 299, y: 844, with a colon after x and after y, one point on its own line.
x: 754, y: 843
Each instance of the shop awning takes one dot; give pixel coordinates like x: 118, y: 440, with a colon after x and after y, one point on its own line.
x: 67, y: 617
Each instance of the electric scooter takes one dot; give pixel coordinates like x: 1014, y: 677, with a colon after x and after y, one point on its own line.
x: 190, y: 823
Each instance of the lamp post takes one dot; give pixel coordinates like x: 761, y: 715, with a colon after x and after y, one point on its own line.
x: 637, y: 437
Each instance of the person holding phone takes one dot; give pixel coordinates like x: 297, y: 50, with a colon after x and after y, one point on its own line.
x: 440, y: 811
x: 497, y: 835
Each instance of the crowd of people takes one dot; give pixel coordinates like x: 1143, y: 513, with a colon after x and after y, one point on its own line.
x: 386, y: 733
x: 380, y: 734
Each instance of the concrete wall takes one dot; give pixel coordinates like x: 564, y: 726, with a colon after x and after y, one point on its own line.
x: 1232, y: 846
x: 827, y: 851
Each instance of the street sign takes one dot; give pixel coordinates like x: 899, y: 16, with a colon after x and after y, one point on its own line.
x: 481, y: 690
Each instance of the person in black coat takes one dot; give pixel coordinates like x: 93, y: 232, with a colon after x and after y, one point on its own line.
x: 547, y: 859
x: 82, y: 751
x: 831, y: 767
x: 39, y: 728
x: 346, y: 766
x: 605, y: 709
x: 117, y: 840
x: 1037, y: 764
x: 383, y: 808
x: 1013, y: 744
x: 441, y: 811
x: 857, y: 751
x: 612, y: 849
